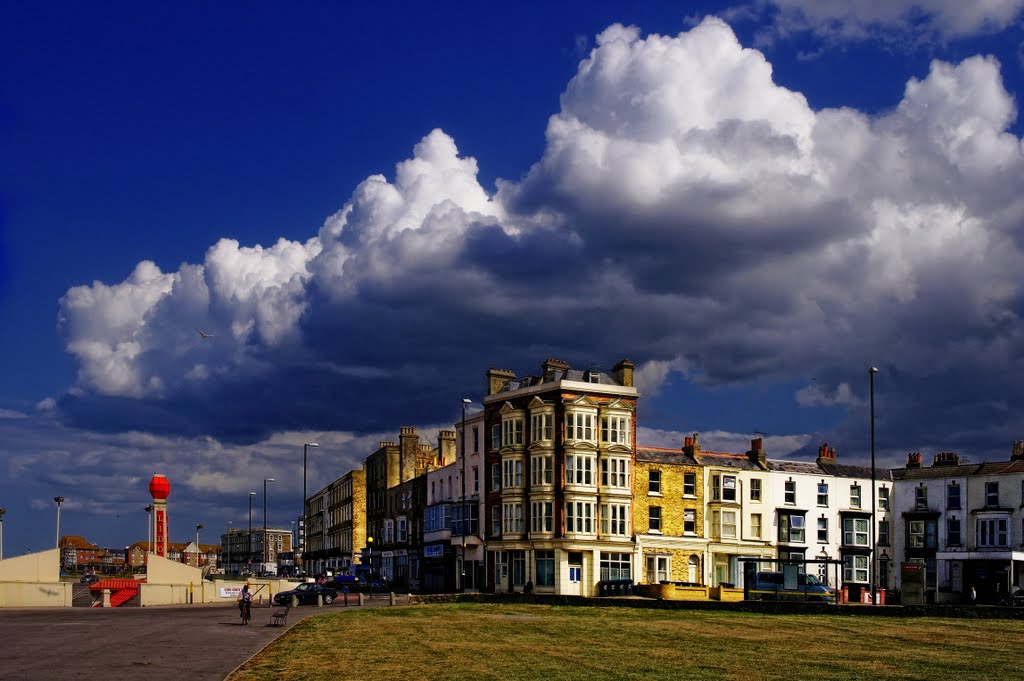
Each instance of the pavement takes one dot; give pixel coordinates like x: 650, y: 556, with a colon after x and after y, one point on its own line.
x: 195, y: 642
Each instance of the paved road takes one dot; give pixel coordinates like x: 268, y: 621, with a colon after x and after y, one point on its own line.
x: 198, y: 643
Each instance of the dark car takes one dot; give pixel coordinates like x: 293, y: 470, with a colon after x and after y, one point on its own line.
x: 89, y: 579
x: 307, y: 594
x: 1016, y: 599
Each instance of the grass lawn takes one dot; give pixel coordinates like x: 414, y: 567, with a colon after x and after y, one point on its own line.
x: 492, y: 641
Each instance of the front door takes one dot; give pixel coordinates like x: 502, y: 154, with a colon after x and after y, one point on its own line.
x: 575, y: 585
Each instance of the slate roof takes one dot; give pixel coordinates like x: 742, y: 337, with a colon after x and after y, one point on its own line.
x: 664, y: 455
x: 962, y: 470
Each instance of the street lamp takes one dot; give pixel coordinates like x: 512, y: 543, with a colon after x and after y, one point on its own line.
x: 305, y: 510
x: 199, y: 551
x: 462, y: 580
x: 2, y: 512
x: 59, y: 500
x: 249, y: 538
x: 266, y: 559
x: 227, y: 563
x: 874, y: 491
x: 369, y: 560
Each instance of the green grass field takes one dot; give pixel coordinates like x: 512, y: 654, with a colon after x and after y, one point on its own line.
x: 485, y: 641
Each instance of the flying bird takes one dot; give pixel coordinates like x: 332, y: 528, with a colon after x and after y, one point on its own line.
x: 203, y: 334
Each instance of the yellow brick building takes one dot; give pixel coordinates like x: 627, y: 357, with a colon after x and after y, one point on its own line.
x: 668, y: 516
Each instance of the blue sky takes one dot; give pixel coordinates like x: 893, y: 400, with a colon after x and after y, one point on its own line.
x: 369, y: 206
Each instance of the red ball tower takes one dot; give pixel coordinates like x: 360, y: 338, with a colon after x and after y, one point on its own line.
x: 160, y: 488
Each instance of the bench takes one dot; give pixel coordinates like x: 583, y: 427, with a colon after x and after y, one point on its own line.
x: 280, y: 616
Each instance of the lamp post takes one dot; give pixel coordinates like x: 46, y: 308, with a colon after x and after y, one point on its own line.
x: 59, y: 500
x: 462, y: 579
x: 874, y: 491
x: 305, y: 510
x: 249, y: 538
x: 265, y: 558
x: 227, y: 562
x: 2, y: 512
x: 369, y: 560
x: 199, y: 551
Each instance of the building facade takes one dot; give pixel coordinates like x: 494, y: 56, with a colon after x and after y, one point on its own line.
x: 559, y: 460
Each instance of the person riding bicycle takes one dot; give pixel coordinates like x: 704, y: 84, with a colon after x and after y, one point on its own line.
x: 245, y: 604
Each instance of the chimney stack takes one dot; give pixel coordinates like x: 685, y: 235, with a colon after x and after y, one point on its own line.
x: 914, y: 460
x: 446, y: 443
x: 409, y: 442
x: 757, y: 454
x: 826, y: 454
x: 1018, y: 450
x: 946, y: 459
x: 550, y: 366
x: 497, y: 379
x: 623, y: 373
x: 691, y: 446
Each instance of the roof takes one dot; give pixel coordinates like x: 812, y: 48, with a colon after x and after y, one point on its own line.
x: 1014, y: 466
x: 74, y: 541
x: 665, y: 455
x: 739, y: 461
x: 842, y: 471
x: 787, y: 466
x: 580, y: 375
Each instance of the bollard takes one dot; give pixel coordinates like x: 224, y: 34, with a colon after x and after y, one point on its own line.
x: 360, y: 598
x: 319, y: 600
x: 392, y: 598
x: 106, y: 598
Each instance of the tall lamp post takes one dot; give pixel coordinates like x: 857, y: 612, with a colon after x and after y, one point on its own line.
x: 227, y: 562
x: 2, y: 512
x: 462, y: 580
x: 305, y: 510
x: 249, y: 557
x: 199, y: 551
x: 874, y: 491
x: 265, y: 558
x: 59, y: 500
x: 369, y: 560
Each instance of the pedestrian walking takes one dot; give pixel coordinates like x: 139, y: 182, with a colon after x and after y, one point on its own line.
x: 974, y: 596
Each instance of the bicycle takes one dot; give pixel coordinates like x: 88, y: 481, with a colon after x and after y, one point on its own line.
x: 245, y: 611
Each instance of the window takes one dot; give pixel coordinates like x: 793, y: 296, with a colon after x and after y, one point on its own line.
x: 755, y: 525
x: 883, y: 532
x: 953, y: 531
x: 921, y: 534
x: 953, y: 496
x: 791, y: 491
x: 518, y: 567
x: 755, y: 489
x: 615, y: 519
x: 615, y: 472
x: 658, y: 569
x: 883, y: 498
x: 541, y: 469
x: 654, y: 482
x: 512, y: 518
x: 728, y: 488
x: 654, y: 518
x: 512, y: 431
x: 495, y: 520
x: 823, y: 493
x: 993, y: 533
x: 615, y: 566
x: 545, y: 568
x: 920, y: 498
x: 402, y: 535
x: 823, y: 530
x: 579, y: 469
x: 615, y: 429
x: 495, y: 477
x: 496, y: 436
x: 689, y: 521
x: 476, y: 480
x: 992, y: 494
x: 579, y: 426
x: 855, y: 531
x: 542, y: 427
x: 791, y: 528
x: 476, y: 439
x: 541, y: 517
x: 513, y: 473
x: 855, y: 568
x: 855, y: 496
x: 579, y: 517
x: 689, y: 484
x: 728, y: 524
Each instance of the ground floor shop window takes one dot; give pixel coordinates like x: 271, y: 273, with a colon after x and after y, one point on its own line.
x: 518, y: 568
x: 545, y: 568
x: 615, y: 566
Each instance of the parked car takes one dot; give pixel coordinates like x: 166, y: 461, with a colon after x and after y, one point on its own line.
x: 89, y: 579
x: 770, y: 586
x: 307, y: 594
x: 1016, y: 599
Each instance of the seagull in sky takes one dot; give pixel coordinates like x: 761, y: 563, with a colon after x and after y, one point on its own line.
x: 203, y: 334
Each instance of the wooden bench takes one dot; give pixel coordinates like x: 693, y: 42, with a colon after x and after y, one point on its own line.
x: 280, y: 616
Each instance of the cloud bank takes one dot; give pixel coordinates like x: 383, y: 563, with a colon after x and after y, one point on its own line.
x: 687, y: 212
